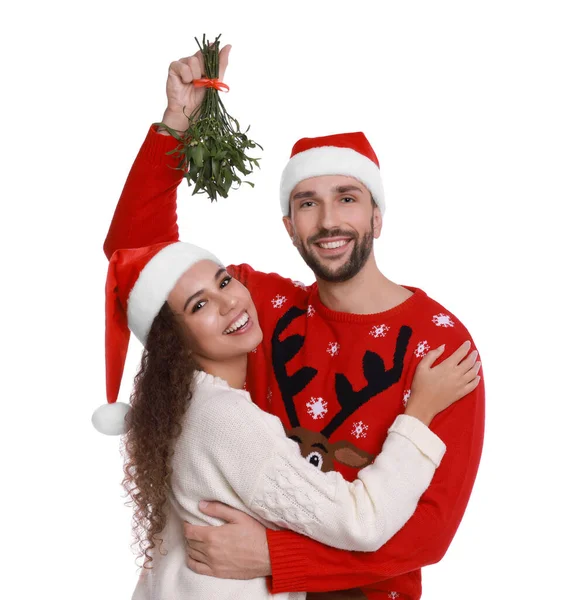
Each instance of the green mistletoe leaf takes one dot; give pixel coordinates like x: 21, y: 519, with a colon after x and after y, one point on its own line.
x: 212, y: 149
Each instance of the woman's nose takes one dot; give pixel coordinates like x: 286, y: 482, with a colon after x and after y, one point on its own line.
x: 229, y: 302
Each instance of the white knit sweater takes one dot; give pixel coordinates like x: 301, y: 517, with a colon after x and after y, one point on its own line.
x: 231, y: 451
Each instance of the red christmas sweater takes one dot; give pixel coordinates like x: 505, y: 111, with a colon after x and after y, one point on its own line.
x: 337, y: 381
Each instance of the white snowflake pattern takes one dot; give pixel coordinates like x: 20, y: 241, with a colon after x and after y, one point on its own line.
x: 406, y: 396
x: 311, y: 310
x: 379, y: 330
x: 443, y: 320
x: 359, y: 430
x: 393, y: 595
x: 269, y: 394
x: 421, y: 349
x: 317, y: 408
x: 333, y: 348
x: 278, y: 301
x: 299, y: 284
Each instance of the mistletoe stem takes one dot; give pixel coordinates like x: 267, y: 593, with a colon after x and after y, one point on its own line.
x: 212, y: 149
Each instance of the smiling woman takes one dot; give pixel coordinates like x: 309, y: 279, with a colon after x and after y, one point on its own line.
x: 192, y: 432
x: 218, y: 317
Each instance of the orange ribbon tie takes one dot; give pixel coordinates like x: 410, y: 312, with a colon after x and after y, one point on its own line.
x: 216, y: 84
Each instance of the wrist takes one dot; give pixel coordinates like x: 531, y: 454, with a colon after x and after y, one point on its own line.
x: 175, y: 120
x: 422, y: 413
x: 266, y: 571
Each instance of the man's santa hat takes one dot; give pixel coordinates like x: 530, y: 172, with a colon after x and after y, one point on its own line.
x: 139, y: 281
x: 342, y: 154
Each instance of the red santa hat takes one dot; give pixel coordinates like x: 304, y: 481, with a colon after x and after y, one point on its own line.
x: 341, y: 154
x: 139, y: 281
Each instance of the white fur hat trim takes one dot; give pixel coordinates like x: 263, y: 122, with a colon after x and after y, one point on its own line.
x: 331, y: 160
x: 156, y: 281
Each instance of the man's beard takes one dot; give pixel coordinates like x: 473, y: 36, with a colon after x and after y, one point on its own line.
x: 357, y: 259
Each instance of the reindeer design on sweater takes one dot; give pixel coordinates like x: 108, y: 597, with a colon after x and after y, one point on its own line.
x: 315, y: 446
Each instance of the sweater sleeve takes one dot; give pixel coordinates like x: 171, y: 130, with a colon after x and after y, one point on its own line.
x: 299, y: 563
x: 146, y: 212
x: 266, y: 470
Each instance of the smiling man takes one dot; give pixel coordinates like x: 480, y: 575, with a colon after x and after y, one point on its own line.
x: 336, y: 362
x: 333, y: 254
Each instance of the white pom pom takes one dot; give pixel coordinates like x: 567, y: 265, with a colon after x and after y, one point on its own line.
x: 110, y: 418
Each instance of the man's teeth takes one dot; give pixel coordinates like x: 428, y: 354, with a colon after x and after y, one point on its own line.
x: 339, y: 244
x: 238, y: 324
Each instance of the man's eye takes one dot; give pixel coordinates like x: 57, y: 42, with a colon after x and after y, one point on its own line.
x: 225, y: 282
x: 307, y: 204
x: 348, y: 199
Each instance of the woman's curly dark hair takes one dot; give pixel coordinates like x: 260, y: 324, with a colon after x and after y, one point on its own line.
x: 161, y: 394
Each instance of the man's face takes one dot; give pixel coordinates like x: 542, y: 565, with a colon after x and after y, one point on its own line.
x: 333, y: 223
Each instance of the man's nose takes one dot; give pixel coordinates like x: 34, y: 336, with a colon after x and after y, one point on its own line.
x: 328, y: 217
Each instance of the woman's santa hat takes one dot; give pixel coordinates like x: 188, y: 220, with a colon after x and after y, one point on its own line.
x: 139, y: 281
x: 347, y: 154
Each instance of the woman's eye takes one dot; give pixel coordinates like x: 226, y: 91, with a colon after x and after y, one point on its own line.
x: 225, y: 282
x: 198, y: 306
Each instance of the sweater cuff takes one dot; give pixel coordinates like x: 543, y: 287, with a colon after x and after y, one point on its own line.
x: 421, y: 436
x: 156, y: 146
x: 288, y: 565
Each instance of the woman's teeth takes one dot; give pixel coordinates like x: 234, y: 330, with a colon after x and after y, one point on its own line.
x: 238, y: 324
x: 328, y: 245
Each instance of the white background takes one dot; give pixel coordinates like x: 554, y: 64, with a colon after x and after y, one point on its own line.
x: 472, y: 108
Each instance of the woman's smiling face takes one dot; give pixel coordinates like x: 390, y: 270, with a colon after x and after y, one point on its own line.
x: 217, y: 313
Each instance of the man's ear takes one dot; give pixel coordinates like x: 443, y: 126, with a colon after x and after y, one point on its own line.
x: 377, y: 222
x: 287, y: 222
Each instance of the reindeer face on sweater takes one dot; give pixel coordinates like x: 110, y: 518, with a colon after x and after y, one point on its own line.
x: 320, y: 452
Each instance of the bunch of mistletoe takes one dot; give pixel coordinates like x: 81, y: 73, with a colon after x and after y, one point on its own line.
x: 213, y: 148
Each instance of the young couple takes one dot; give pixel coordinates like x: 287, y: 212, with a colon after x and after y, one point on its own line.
x: 346, y: 364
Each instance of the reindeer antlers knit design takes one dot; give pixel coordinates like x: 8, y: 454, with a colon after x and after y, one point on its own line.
x: 378, y: 380
x: 378, y: 377
x: 282, y: 352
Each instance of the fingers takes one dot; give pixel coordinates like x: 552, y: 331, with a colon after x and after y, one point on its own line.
x: 472, y: 379
x: 457, y: 356
x: 192, y: 67
x: 196, y: 554
x: 195, y: 63
x: 196, y: 533
x: 223, y: 60
x: 182, y: 70
x: 198, y: 567
x: 431, y: 356
x: 468, y: 362
x: 473, y: 371
x: 466, y: 390
x: 472, y: 385
x: 221, y: 511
